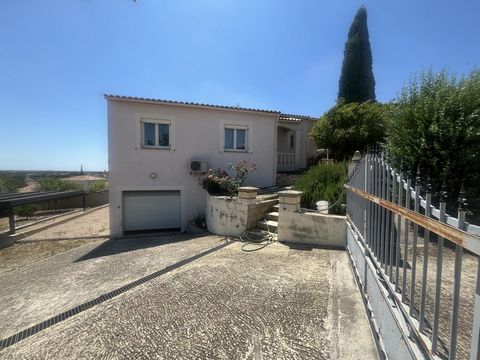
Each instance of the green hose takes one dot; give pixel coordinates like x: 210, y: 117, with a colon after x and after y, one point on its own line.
x: 255, y: 240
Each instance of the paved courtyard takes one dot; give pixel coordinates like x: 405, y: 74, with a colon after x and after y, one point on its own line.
x: 187, y: 298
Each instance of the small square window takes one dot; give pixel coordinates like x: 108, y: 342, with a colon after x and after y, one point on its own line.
x: 235, y: 139
x: 155, y: 134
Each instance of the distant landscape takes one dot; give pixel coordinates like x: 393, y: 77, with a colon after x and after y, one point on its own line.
x: 27, y: 180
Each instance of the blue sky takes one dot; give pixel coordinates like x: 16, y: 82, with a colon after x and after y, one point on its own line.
x: 58, y: 58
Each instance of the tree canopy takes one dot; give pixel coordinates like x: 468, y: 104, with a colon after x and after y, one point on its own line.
x: 357, y: 83
x: 346, y: 128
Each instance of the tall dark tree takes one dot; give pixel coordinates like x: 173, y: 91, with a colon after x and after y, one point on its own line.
x: 357, y: 83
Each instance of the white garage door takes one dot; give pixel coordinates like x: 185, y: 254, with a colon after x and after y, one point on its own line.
x: 151, y: 210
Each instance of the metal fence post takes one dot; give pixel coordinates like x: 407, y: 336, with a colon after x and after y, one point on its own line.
x: 405, y: 241
x: 457, y: 277
x: 11, y: 219
x: 438, y: 280
x: 399, y: 226
x: 414, y: 244
x: 426, y: 240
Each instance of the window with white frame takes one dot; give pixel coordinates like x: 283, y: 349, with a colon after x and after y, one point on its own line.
x: 235, y: 138
x: 156, y: 133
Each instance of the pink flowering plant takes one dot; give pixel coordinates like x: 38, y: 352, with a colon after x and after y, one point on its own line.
x: 219, y: 182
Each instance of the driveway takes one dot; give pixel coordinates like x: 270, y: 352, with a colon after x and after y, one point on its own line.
x: 182, y: 297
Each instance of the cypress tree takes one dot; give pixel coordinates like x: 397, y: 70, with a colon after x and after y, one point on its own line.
x: 357, y: 83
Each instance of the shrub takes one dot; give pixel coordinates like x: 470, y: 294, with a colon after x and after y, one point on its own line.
x: 346, y: 128
x: 11, y: 182
x: 54, y: 184
x: 26, y: 211
x: 435, y: 124
x: 99, y: 185
x: 200, y: 220
x: 324, y: 182
x: 219, y: 182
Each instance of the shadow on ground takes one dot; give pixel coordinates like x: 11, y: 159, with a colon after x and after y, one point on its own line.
x: 118, y: 246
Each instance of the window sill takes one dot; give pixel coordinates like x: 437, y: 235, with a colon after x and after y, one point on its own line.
x: 156, y: 147
x: 235, y: 150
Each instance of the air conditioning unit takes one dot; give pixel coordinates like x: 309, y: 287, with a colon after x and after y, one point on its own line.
x: 198, y: 166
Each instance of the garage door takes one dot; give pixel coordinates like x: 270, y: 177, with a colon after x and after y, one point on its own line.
x: 151, y: 210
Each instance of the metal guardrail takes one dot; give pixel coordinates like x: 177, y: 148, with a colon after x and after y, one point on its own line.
x: 384, y: 209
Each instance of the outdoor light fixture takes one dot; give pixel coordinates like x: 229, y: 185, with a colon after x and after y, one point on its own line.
x: 153, y: 176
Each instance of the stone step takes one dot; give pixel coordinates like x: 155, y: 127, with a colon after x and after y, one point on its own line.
x: 273, y: 196
x: 272, y: 216
x: 276, y: 207
x: 272, y: 225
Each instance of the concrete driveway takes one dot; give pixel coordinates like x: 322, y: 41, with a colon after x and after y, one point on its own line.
x: 177, y: 297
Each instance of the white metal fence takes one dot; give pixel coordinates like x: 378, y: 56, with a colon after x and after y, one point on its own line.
x: 390, y: 218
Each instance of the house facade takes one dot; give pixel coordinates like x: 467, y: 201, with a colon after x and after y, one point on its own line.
x: 152, y: 143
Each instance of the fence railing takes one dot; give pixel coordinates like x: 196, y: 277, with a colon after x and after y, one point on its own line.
x: 391, y: 218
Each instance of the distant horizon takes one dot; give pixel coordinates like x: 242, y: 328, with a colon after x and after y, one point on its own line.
x: 33, y: 170
x: 59, y: 58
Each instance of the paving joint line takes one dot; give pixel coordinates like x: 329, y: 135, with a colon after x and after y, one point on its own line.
x: 19, y: 336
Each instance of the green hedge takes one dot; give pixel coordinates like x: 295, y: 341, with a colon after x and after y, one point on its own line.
x: 324, y: 182
x: 435, y: 125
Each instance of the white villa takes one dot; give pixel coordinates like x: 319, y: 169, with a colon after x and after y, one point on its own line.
x: 158, y: 149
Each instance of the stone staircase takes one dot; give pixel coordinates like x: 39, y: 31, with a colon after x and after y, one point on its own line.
x: 270, y: 222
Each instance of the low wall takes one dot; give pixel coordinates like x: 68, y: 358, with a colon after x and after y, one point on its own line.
x: 296, y: 226
x: 312, y: 228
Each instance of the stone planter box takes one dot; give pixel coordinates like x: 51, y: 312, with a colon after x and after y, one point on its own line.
x: 225, y: 216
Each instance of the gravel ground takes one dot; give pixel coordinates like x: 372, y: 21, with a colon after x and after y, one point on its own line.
x: 56, y: 239
x: 277, y: 303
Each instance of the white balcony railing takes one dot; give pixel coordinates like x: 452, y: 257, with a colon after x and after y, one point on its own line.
x: 285, y: 160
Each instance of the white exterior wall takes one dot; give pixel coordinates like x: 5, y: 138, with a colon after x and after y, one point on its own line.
x: 196, y: 134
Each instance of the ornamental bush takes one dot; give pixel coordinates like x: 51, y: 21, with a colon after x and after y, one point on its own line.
x: 219, y: 182
x: 346, y: 128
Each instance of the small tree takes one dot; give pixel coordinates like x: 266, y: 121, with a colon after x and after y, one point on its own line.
x: 346, y: 128
x: 357, y: 83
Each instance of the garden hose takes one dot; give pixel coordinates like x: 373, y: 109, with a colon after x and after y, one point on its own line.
x: 255, y: 240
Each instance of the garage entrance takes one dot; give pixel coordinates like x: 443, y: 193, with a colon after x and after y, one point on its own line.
x: 151, y: 210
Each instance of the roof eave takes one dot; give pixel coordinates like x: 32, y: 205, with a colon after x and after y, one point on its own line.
x: 188, y: 104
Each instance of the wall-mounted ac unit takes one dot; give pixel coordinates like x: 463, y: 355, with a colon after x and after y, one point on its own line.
x: 198, y: 166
